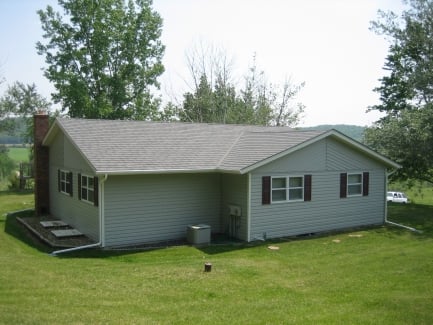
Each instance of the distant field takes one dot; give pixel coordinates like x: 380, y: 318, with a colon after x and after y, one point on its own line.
x: 19, y: 154
x: 418, y: 193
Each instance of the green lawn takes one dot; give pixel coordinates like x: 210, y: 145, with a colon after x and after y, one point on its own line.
x: 376, y: 276
x: 418, y: 193
x: 19, y: 154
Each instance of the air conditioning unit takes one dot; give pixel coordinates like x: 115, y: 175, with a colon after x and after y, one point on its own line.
x: 198, y: 234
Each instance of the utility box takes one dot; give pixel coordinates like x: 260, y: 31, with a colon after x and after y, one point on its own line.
x: 198, y: 234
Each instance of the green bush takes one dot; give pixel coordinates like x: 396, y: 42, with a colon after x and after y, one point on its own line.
x: 14, y: 182
x: 7, y: 165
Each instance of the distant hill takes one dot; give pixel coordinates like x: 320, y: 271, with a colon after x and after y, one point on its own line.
x: 356, y: 132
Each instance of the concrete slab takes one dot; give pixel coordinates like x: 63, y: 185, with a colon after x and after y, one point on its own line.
x: 66, y: 233
x: 53, y: 223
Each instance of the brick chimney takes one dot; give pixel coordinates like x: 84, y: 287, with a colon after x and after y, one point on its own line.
x: 41, y: 163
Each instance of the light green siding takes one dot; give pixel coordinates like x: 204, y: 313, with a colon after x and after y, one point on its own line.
x: 324, y: 160
x: 151, y: 208
x: 81, y: 215
x: 234, y: 192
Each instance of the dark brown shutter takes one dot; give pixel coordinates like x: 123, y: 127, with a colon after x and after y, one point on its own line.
x: 79, y: 186
x: 95, y: 191
x: 71, y: 181
x: 266, y: 190
x: 59, y: 186
x: 343, y: 185
x: 365, y: 183
x: 307, y: 187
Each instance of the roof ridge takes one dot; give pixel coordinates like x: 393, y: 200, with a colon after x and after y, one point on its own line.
x: 230, y: 148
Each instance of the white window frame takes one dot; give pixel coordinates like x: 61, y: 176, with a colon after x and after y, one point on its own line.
x: 87, y: 188
x: 360, y: 184
x: 64, y: 181
x: 287, y: 188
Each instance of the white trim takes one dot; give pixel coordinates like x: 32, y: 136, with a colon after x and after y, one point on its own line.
x: 87, y: 188
x: 331, y: 133
x: 288, y: 188
x: 165, y: 171
x: 48, y: 136
x: 66, y: 173
x: 101, y: 207
x: 249, y: 209
x: 361, y: 184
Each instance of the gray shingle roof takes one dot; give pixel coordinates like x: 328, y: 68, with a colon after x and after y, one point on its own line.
x: 137, y: 146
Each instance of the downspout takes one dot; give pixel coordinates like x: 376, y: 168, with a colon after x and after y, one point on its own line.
x: 386, y: 208
x: 249, y: 209
x: 101, y: 224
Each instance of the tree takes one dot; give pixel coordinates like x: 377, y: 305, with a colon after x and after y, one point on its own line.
x: 265, y: 103
x: 214, y: 97
x: 21, y: 100
x: 7, y: 165
x: 104, y: 57
x: 405, y: 133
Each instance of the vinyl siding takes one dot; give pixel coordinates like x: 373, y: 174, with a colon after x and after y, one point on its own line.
x: 151, y: 208
x: 234, y: 192
x: 81, y: 215
x: 341, y: 157
x: 311, y: 158
x: 326, y: 210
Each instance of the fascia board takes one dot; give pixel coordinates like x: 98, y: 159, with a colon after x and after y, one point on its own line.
x: 331, y: 133
x: 164, y: 171
x: 52, y: 132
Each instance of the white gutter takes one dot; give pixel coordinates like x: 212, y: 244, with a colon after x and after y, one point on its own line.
x: 101, y: 224
x: 386, y: 208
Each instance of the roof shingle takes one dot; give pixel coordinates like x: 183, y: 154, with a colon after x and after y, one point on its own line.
x: 115, y: 146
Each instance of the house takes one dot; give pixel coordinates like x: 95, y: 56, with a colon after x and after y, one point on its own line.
x: 131, y: 182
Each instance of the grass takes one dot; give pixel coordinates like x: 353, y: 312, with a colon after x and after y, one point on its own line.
x: 19, y: 154
x: 382, y: 275
x: 419, y: 193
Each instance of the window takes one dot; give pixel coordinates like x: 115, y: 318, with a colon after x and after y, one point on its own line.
x: 65, y: 182
x: 355, y: 184
x: 87, y: 189
x: 287, y: 188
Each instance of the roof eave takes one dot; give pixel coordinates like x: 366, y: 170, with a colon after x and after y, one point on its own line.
x: 53, y: 131
x: 331, y: 133
x: 165, y: 171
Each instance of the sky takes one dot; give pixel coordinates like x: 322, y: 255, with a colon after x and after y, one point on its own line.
x: 325, y: 43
